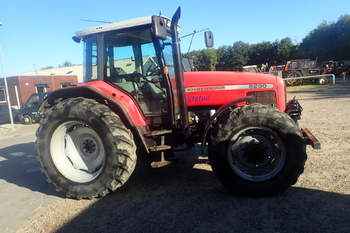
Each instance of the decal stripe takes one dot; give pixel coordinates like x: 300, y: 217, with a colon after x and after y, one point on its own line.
x: 229, y: 87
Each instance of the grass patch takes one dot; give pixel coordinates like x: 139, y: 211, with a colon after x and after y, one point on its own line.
x: 308, y: 86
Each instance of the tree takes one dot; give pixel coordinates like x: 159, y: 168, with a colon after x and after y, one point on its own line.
x: 261, y: 53
x: 204, y: 59
x: 329, y: 40
x: 210, y: 58
x: 66, y: 63
x: 285, y: 50
x: 240, y: 53
x: 224, y: 58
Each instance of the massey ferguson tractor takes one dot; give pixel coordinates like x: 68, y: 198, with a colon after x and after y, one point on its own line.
x: 137, y: 101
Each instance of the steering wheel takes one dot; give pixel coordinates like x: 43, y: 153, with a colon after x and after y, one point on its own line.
x: 151, y: 70
x: 133, y: 77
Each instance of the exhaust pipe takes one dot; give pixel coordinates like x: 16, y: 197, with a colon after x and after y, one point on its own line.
x: 179, y: 76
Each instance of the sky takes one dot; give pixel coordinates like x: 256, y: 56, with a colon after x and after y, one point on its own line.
x: 37, y: 33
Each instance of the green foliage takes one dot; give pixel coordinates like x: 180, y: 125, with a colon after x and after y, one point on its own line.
x: 329, y: 41
x: 225, y: 58
x: 66, y: 63
x: 204, y: 59
x: 241, y: 54
x: 261, y: 53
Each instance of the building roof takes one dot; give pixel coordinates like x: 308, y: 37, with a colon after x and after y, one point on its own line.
x: 66, y: 70
x: 77, y: 70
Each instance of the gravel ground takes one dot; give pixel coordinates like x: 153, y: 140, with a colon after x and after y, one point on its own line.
x: 186, y: 197
x: 19, y: 130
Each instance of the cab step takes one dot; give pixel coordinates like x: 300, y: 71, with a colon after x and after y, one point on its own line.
x: 159, y: 148
x: 158, y: 133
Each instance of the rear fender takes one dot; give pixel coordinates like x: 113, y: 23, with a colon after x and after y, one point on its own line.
x: 220, y: 111
x: 92, y: 93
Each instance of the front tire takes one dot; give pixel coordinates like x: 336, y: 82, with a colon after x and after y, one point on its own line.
x: 84, y: 148
x: 256, y: 150
x: 27, y: 120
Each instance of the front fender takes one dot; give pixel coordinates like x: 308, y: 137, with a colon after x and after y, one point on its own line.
x: 221, y: 110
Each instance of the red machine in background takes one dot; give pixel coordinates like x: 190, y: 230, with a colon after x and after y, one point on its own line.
x: 334, y: 67
x: 301, y: 68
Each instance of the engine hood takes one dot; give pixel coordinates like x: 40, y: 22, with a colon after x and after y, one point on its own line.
x: 220, y: 78
x: 219, y: 88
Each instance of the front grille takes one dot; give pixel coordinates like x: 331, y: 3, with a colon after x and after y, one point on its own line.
x: 263, y: 97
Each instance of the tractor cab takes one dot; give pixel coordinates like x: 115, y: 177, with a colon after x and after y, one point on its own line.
x: 132, y: 58
x: 142, y: 58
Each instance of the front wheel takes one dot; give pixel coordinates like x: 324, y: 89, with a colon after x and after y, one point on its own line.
x: 84, y: 148
x: 257, y: 150
x: 27, y: 120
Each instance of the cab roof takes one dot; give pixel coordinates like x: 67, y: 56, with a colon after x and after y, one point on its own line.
x: 116, y: 26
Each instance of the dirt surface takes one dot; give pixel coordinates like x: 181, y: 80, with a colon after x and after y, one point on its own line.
x: 186, y: 197
x: 6, y: 131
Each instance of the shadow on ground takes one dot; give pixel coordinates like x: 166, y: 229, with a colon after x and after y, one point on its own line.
x: 340, y: 90
x: 18, y: 165
x: 183, y: 198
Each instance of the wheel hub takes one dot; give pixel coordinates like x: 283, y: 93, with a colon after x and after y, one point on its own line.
x: 256, y: 154
x: 252, y: 151
x: 86, y: 142
x: 88, y: 146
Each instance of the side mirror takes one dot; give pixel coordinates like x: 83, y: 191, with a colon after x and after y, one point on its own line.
x: 209, y: 39
x: 76, y: 39
x: 159, y: 27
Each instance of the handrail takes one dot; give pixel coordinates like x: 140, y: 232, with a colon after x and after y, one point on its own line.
x: 314, y: 76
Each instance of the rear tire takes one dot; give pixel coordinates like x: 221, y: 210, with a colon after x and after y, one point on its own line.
x: 294, y: 82
x: 256, y: 150
x: 85, y: 149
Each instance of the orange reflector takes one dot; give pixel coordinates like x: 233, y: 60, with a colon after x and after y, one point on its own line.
x: 165, y: 70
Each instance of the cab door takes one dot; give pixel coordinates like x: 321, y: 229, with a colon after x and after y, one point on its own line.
x: 167, y: 54
x: 136, y: 69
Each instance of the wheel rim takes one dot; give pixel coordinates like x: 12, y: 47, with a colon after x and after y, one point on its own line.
x: 26, y: 119
x: 77, y: 151
x: 292, y: 82
x: 256, y: 154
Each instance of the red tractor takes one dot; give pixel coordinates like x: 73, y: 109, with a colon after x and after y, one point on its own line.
x: 301, y: 68
x: 334, y: 67
x: 137, y: 100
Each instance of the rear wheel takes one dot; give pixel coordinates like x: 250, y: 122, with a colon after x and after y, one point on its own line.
x: 257, y: 150
x: 85, y: 149
x: 294, y: 82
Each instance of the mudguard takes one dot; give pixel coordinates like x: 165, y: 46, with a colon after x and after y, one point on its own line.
x: 221, y: 110
x: 133, y: 118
